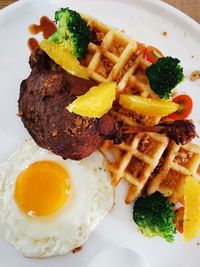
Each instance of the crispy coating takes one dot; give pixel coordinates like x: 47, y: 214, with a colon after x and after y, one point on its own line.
x: 181, y: 131
x: 43, y: 99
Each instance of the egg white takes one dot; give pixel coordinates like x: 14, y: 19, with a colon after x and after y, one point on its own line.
x: 91, y: 198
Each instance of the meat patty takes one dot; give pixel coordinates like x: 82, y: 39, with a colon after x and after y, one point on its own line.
x: 43, y: 99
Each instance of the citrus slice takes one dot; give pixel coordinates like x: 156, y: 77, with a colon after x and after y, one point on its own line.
x: 96, y: 102
x: 191, y: 224
x: 64, y: 58
x: 148, y: 106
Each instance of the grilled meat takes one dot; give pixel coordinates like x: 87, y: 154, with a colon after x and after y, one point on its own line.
x: 44, y: 96
x: 181, y: 131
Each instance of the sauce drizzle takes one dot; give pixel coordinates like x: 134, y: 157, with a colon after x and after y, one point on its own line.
x: 47, y: 27
x: 32, y: 44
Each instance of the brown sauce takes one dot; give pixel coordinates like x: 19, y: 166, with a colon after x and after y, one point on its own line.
x: 32, y: 44
x: 47, y: 27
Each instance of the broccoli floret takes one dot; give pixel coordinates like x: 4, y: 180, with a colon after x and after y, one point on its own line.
x: 164, y: 75
x: 72, y: 31
x: 154, y: 215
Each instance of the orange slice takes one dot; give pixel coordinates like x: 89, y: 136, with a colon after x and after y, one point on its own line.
x: 96, y: 102
x: 191, y: 225
x: 64, y: 58
x: 148, y: 106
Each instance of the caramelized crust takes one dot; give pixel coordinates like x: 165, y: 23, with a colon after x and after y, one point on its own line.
x: 44, y: 96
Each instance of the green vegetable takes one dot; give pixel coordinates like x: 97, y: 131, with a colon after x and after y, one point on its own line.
x: 154, y: 215
x: 72, y: 31
x: 164, y: 75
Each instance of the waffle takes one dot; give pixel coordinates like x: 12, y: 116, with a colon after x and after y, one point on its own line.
x: 179, y: 162
x: 109, y: 52
x: 144, y: 157
x: 134, y: 160
x: 112, y: 56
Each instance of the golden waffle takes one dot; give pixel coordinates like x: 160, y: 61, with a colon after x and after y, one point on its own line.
x: 112, y: 56
x: 179, y: 162
x: 134, y: 160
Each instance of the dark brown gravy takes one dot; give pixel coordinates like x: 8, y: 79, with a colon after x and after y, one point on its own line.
x: 32, y: 44
x: 47, y: 27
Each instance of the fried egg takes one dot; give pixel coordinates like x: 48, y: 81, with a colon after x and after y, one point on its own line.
x: 49, y: 206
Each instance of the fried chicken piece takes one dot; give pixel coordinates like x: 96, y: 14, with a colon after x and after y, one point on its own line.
x: 181, y: 131
x: 43, y: 99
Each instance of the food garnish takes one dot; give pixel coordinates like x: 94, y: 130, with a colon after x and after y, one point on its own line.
x: 165, y: 75
x: 148, y: 106
x: 46, y: 26
x: 195, y: 75
x: 179, y: 214
x: 185, y: 107
x: 191, y: 225
x: 152, y: 54
x: 96, y: 102
x: 72, y: 32
x: 64, y: 57
x: 154, y: 215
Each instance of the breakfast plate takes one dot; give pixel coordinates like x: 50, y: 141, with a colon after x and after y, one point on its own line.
x: 150, y: 22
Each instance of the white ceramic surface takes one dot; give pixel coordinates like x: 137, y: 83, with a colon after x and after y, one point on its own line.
x: 117, y: 257
x: 144, y: 20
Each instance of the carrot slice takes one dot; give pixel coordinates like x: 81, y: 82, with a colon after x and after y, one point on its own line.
x: 185, y: 107
x: 152, y: 54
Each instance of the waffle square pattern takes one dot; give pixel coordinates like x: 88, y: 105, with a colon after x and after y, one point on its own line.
x: 135, y: 160
x: 113, y: 56
x: 178, y: 163
x: 148, y: 161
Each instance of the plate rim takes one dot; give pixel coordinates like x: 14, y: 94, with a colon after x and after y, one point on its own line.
x: 170, y: 9
x: 159, y: 4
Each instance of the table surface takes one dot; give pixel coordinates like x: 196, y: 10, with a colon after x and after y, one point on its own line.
x: 190, y: 7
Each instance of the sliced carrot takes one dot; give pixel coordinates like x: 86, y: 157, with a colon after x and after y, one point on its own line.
x: 152, y: 54
x: 185, y: 107
x: 179, y: 217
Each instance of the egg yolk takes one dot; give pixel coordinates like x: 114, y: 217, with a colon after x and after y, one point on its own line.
x: 42, y: 188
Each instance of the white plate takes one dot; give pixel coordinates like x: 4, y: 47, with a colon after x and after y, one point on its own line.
x: 144, y: 21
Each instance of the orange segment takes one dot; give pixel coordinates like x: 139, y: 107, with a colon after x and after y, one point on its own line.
x: 96, y: 102
x: 191, y: 223
x: 64, y: 58
x: 148, y: 106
